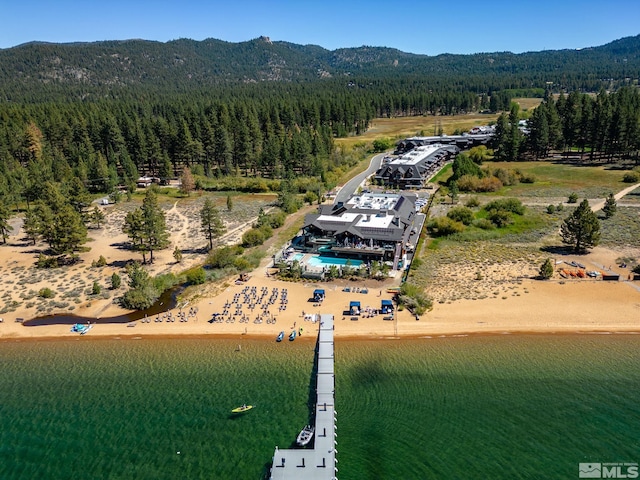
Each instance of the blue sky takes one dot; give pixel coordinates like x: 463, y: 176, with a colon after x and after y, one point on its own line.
x: 411, y: 26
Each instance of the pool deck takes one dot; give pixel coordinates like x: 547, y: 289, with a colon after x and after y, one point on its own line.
x: 320, y: 462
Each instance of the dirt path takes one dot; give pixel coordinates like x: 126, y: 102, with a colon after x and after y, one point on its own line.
x: 184, y: 221
x: 232, y: 236
x: 197, y: 253
x: 598, y: 206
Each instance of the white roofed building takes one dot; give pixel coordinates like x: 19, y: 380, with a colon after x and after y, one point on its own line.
x: 414, y: 168
x: 369, y: 226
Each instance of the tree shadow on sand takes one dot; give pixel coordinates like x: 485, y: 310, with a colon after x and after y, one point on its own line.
x: 561, y: 250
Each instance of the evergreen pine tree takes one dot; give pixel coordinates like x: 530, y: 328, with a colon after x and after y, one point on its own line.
x: 116, y: 281
x: 69, y: 230
x: 155, y: 235
x: 610, y: 206
x: 463, y: 165
x: 453, y: 192
x: 143, y: 293
x: 546, y: 269
x: 165, y: 171
x: 57, y: 222
x: 96, y: 217
x: 211, y: 224
x: 129, y: 168
x: 222, y: 150
x: 78, y: 196
x: 31, y: 225
x: 500, y: 138
x: 514, y: 136
x: 5, y: 215
x: 539, y: 132
x: 134, y: 228
x: 581, y: 229
x: 177, y: 254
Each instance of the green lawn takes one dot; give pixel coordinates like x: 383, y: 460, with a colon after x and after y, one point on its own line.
x: 527, y: 228
x: 443, y: 175
x: 559, y: 180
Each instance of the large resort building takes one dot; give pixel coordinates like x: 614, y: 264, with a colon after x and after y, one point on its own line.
x: 380, y: 227
x: 368, y: 227
x: 420, y: 158
x: 476, y: 136
x: 415, y: 168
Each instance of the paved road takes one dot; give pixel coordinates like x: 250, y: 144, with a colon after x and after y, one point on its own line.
x: 352, y: 185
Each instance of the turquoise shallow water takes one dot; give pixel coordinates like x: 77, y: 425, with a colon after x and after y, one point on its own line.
x: 494, y: 407
x: 322, y: 261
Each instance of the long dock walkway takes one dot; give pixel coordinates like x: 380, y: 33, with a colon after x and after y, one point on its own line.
x: 320, y: 462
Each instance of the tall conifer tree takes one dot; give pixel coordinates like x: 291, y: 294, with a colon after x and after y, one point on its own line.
x: 211, y: 224
x: 581, y: 230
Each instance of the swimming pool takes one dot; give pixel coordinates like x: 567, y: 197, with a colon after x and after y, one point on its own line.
x: 297, y: 257
x: 320, y: 261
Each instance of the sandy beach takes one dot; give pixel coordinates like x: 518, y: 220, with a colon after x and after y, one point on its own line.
x: 506, y: 300
x: 580, y: 306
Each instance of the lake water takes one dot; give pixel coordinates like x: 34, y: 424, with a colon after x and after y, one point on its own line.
x: 486, y: 407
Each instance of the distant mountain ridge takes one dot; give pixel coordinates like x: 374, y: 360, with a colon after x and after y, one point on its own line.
x: 185, y: 63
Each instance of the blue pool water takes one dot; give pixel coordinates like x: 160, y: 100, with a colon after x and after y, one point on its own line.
x: 320, y: 261
x: 297, y: 257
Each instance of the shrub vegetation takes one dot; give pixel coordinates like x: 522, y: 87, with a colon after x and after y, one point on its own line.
x: 443, y: 226
x: 46, y: 293
x: 461, y: 214
x: 413, y: 298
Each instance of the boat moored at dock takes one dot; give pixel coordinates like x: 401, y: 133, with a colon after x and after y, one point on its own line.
x: 305, y: 436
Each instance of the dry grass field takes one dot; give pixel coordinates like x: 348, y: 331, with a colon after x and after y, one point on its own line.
x: 527, y: 103
x: 401, y: 127
x: 398, y: 128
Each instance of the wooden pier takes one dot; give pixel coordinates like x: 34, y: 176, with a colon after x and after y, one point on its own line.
x: 320, y: 462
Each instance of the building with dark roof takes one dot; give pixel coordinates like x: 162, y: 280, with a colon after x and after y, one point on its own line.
x: 477, y: 136
x: 415, y: 168
x: 368, y: 226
